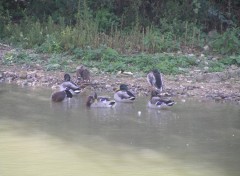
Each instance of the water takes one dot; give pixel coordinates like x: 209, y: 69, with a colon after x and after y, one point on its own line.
x: 41, y: 138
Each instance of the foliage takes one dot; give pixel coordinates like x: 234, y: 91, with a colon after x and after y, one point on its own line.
x: 216, y: 66
x: 155, y: 41
x: 232, y: 60
x: 109, y: 60
x: 115, y: 35
x: 228, y: 42
x: 19, y: 58
x: 59, y: 26
x: 51, y: 45
x: 168, y: 64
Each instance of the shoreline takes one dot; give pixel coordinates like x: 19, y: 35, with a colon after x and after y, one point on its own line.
x: 217, y: 86
x: 196, y: 83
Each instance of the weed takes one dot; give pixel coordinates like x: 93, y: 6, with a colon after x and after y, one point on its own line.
x: 51, y: 45
x: 19, y: 58
x: 216, y: 67
x: 227, y: 43
x: 232, y: 60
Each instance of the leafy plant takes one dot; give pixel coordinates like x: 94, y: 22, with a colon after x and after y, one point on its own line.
x: 19, y: 58
x: 228, y: 42
x: 232, y: 60
x: 216, y: 67
x: 51, y: 45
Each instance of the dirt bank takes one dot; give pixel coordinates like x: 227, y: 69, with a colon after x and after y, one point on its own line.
x: 222, y: 87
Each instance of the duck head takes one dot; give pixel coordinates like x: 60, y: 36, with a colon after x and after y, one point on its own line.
x: 124, y: 87
x: 67, y: 77
x: 90, y: 100
x: 154, y: 93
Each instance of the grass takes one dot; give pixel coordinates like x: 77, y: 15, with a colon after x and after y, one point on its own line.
x: 136, y: 49
x: 50, y: 37
x: 106, y: 59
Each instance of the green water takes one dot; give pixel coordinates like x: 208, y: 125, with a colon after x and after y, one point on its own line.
x: 66, y: 139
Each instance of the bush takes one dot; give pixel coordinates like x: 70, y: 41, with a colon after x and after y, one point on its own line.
x: 227, y: 43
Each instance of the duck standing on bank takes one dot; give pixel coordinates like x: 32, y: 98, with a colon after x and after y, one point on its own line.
x: 124, y: 95
x: 156, y: 102
x: 83, y: 73
x: 59, y: 96
x: 94, y: 101
x: 155, y: 80
x: 67, y: 83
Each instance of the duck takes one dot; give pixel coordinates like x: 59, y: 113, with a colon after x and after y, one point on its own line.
x: 59, y: 96
x: 95, y: 101
x: 156, y: 102
x: 155, y: 80
x: 124, y: 95
x: 67, y: 83
x: 83, y: 73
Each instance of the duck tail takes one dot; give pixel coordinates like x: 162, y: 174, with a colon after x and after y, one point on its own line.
x: 158, y: 79
x: 130, y: 94
x: 132, y: 98
x: 159, y: 103
x: 68, y: 93
x: 170, y: 103
x: 112, y: 103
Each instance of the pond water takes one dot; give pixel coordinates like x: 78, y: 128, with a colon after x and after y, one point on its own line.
x: 41, y: 138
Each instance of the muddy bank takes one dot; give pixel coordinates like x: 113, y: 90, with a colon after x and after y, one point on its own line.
x: 221, y: 87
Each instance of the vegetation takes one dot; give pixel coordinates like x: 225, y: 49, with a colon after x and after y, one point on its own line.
x: 118, y: 34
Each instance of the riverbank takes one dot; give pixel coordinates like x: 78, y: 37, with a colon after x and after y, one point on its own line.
x: 218, y: 86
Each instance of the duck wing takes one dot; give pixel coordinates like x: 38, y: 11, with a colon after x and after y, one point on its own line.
x: 151, y: 79
x: 123, y: 95
x: 158, y: 80
x: 155, y: 100
x: 69, y: 85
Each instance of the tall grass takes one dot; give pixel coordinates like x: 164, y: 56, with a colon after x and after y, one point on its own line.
x: 84, y: 33
x: 52, y: 37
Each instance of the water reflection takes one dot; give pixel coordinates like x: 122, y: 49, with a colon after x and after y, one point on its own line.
x: 38, y: 137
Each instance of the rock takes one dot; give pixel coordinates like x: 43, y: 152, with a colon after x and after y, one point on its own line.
x: 234, y: 67
x: 94, y: 70
x: 9, y: 79
x: 202, y: 55
x: 214, y: 59
x: 44, y: 79
x: 206, y: 48
x: 1, y: 75
x: 206, y: 68
x: 206, y: 62
x: 25, y: 83
x: 191, y: 55
x: 23, y: 75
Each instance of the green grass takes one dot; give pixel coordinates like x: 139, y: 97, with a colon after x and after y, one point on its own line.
x: 106, y: 59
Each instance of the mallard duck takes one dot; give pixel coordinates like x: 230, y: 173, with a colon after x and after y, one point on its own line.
x: 155, y: 80
x: 67, y: 83
x: 158, y: 103
x: 99, y: 102
x: 124, y: 95
x: 83, y: 73
x: 61, y: 95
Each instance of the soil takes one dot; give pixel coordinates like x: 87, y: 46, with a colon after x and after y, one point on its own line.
x: 221, y: 86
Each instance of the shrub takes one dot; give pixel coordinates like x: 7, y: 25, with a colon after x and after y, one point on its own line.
x: 227, y: 43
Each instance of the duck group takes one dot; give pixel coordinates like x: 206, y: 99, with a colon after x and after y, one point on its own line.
x: 68, y: 88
